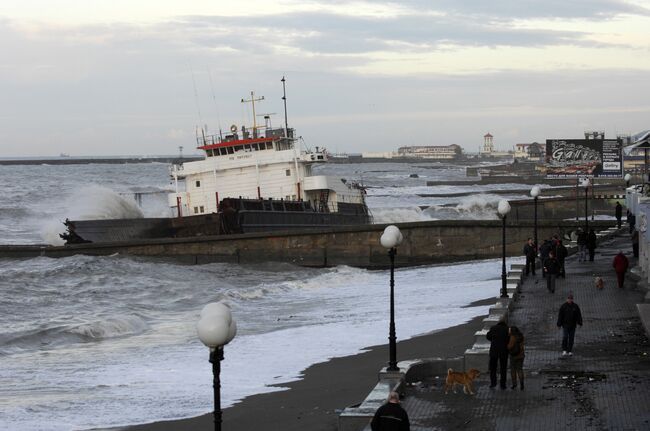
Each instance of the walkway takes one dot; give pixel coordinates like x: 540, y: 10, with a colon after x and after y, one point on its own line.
x: 604, y: 386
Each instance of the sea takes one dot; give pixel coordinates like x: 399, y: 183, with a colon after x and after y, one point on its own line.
x: 95, y: 342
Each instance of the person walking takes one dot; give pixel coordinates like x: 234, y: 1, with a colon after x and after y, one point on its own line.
x: 544, y: 250
x: 620, y: 265
x: 635, y: 243
x: 552, y: 269
x: 619, y: 214
x: 391, y: 416
x: 530, y: 251
x: 591, y: 244
x: 561, y: 253
x: 582, y: 245
x: 568, y: 318
x: 516, y: 350
x: 499, y: 337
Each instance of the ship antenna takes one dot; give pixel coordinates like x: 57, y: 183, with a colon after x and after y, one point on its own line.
x: 284, y: 98
x: 253, y: 100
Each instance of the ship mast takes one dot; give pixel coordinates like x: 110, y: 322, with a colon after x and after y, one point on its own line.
x: 252, y: 100
x: 284, y: 98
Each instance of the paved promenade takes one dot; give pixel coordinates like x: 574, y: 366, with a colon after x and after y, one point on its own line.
x: 604, y: 386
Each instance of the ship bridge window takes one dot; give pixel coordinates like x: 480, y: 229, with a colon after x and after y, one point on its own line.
x: 198, y: 183
x: 209, y: 153
x: 255, y: 147
x: 247, y: 147
x: 238, y: 148
x: 223, y: 151
x: 230, y: 150
x: 288, y: 172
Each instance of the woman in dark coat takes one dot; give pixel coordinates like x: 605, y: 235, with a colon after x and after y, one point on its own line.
x: 517, y: 354
x: 591, y: 244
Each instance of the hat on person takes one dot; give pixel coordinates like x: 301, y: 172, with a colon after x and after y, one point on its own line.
x: 570, y: 296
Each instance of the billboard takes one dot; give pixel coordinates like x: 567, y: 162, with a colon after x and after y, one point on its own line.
x: 597, y: 158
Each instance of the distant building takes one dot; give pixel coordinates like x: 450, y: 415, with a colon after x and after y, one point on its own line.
x: 488, y: 148
x: 378, y: 155
x: 440, y: 152
x: 534, y: 151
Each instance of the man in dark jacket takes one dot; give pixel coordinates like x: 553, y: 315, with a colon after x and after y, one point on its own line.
x: 592, y: 241
x: 544, y: 250
x: 530, y: 251
x: 552, y: 269
x: 567, y: 319
x: 582, y: 245
x: 619, y: 214
x: 391, y: 416
x: 561, y: 253
x: 499, y: 337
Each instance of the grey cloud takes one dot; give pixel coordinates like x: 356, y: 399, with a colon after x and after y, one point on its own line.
x: 327, y: 33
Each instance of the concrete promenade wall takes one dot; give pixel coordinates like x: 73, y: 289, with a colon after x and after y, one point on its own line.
x: 424, y: 243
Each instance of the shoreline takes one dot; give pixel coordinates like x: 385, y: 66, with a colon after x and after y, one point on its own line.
x: 326, y: 388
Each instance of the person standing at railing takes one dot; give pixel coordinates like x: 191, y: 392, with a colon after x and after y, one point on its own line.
x: 619, y: 214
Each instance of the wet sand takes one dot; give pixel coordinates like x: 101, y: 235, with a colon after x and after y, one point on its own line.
x: 314, y: 402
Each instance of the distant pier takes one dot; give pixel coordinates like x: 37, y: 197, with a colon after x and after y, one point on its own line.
x: 99, y: 160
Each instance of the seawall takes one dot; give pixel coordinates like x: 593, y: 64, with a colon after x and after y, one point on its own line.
x: 424, y: 243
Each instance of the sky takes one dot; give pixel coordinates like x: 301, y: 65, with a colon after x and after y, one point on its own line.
x: 122, y: 77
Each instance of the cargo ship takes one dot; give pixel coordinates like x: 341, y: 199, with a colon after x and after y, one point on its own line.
x: 252, y: 179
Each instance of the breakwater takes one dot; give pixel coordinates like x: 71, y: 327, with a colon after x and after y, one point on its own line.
x: 424, y: 243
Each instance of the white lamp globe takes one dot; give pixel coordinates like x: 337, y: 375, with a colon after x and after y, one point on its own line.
x: 213, y: 331
x: 504, y: 207
x: 535, y: 191
x: 394, y: 230
x: 220, y: 309
x: 628, y: 177
x: 388, y: 240
x: 585, y: 183
x: 232, y: 331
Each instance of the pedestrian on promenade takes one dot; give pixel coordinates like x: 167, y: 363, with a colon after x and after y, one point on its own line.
x: 499, y: 337
x: 620, y: 265
x: 561, y: 253
x: 516, y: 350
x: 582, y: 245
x: 635, y: 243
x: 567, y: 319
x: 632, y: 221
x: 619, y: 214
x: 544, y: 250
x: 391, y: 416
x: 552, y: 269
x: 530, y: 251
x: 591, y: 244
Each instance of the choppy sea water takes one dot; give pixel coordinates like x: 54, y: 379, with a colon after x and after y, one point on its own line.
x: 108, y: 341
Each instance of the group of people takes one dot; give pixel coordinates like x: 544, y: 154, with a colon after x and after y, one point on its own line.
x: 507, y: 343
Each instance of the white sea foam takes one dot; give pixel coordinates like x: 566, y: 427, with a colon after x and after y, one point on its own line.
x: 132, y: 374
x: 97, y: 202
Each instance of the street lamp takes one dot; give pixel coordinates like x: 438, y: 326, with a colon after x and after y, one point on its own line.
x: 585, y: 184
x: 627, y: 178
x: 215, y: 329
x: 534, y: 192
x: 390, y: 239
x: 503, y: 209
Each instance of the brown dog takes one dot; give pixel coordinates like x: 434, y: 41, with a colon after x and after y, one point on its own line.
x: 598, y: 281
x: 465, y: 379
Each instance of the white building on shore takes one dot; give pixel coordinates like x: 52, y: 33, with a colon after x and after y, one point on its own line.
x: 438, y: 152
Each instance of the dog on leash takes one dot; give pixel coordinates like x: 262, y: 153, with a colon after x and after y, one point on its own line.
x: 464, y: 379
x: 599, y: 283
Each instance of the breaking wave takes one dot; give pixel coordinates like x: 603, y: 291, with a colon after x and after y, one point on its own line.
x: 65, y: 334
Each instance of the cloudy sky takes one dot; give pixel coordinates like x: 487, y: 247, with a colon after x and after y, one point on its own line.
x: 121, y: 77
